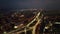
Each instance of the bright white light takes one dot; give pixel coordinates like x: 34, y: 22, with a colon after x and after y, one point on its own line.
x: 57, y: 23
x: 46, y: 27
x: 15, y: 26
x: 5, y: 32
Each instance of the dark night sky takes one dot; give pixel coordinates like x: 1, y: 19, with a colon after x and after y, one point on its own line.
x: 13, y: 4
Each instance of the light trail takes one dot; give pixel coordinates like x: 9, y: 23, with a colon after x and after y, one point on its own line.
x: 33, y: 28
x: 33, y: 20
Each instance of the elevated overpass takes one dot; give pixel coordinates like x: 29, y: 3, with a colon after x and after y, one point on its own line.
x: 28, y: 27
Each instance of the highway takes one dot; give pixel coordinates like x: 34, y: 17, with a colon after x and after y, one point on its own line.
x: 27, y: 28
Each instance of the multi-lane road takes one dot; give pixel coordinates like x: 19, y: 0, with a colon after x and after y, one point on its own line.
x: 27, y: 28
